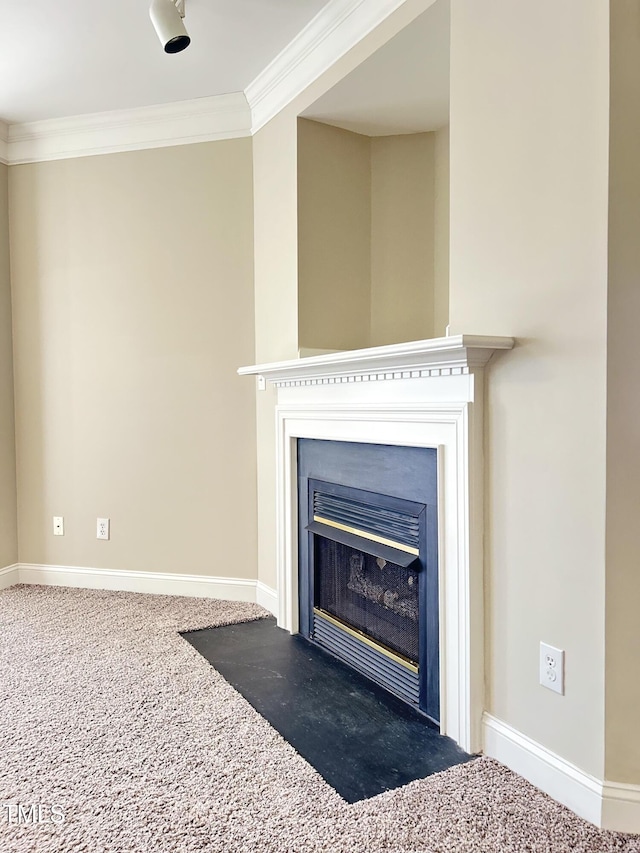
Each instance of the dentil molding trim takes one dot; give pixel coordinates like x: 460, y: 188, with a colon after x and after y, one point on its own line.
x: 450, y: 356
x: 158, y: 583
x: 180, y: 123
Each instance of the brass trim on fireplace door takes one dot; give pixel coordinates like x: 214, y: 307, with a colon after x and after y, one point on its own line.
x: 408, y: 549
x: 360, y: 635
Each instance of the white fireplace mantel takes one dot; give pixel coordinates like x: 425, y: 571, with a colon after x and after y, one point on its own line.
x: 454, y: 355
x: 424, y: 394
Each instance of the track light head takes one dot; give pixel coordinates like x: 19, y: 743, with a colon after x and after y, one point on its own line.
x: 166, y: 16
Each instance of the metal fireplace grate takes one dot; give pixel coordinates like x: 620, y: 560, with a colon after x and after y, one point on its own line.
x: 397, y: 528
x: 367, y: 659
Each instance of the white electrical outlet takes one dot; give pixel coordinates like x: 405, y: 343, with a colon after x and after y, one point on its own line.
x: 58, y: 525
x: 552, y: 668
x: 103, y: 528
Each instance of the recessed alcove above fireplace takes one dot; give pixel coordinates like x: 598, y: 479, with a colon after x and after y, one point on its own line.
x: 422, y: 394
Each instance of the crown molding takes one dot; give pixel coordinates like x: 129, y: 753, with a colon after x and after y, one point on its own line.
x: 4, y: 143
x: 180, y: 123
x: 338, y: 26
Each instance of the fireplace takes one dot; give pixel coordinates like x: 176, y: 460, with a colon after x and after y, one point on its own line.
x: 423, y: 395
x: 368, y: 574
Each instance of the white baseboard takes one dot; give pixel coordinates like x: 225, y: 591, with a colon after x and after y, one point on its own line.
x: 161, y: 583
x: 9, y: 576
x: 609, y: 805
x: 621, y: 807
x: 561, y: 780
x: 267, y: 597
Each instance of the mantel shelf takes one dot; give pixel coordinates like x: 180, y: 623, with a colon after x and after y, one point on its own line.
x: 433, y: 356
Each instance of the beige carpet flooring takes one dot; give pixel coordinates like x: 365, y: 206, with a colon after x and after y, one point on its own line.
x: 111, y: 717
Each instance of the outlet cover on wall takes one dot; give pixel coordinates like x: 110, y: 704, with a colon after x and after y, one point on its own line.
x: 103, y: 528
x: 58, y: 525
x: 552, y: 668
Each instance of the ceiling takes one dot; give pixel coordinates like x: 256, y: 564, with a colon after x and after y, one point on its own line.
x: 63, y: 58
x: 402, y: 88
x: 71, y: 57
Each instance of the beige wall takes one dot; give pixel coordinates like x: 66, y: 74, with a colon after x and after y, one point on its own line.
x: 402, y: 238
x: 366, y: 237
x: 623, y: 403
x: 529, y: 119
x: 334, y: 237
x: 133, y: 307
x: 8, y: 523
x: 441, y: 233
x: 275, y: 186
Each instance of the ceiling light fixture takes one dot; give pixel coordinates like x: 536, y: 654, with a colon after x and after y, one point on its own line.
x: 166, y: 16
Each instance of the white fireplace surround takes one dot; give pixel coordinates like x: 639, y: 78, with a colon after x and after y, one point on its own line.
x: 423, y: 394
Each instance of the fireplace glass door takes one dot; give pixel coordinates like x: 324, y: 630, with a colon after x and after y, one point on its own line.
x: 370, y: 595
